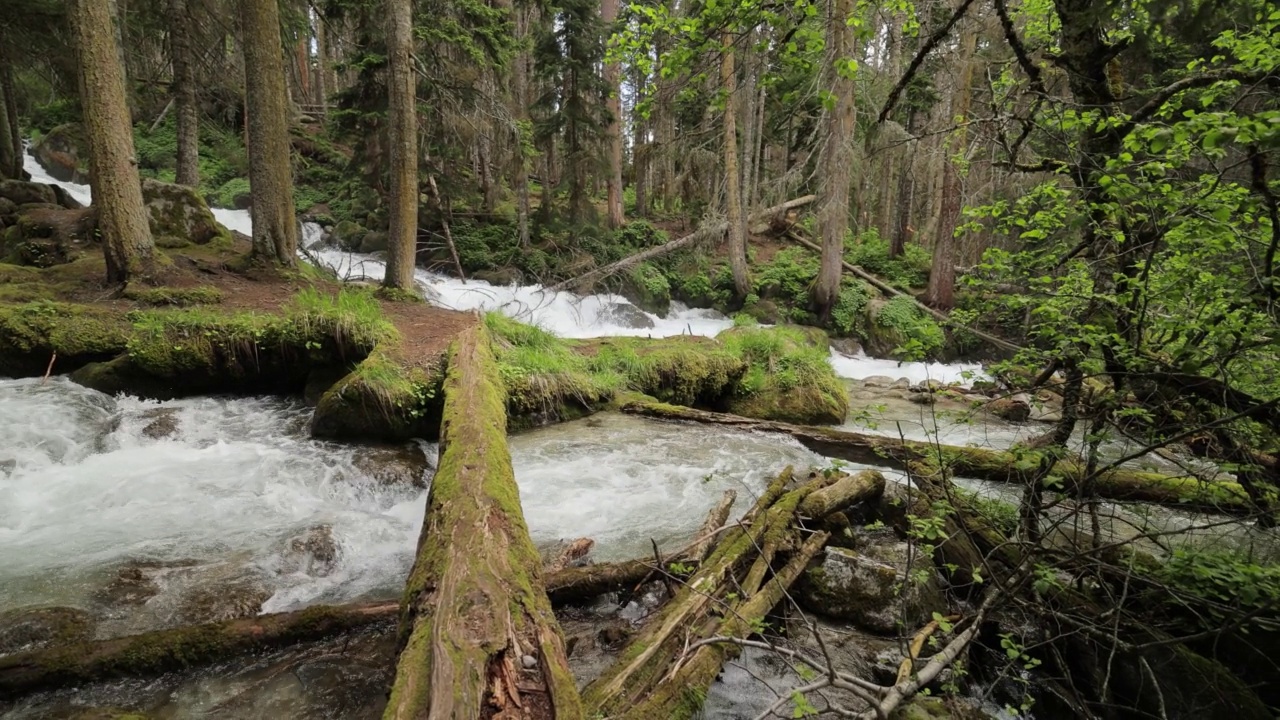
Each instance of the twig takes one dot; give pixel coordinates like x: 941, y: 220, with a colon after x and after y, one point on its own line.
x: 49, y: 370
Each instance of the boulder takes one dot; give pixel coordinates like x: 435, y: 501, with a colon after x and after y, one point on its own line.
x: 498, y: 277
x: 164, y: 423
x: 884, y: 587
x: 16, y: 193
x: 394, y: 465
x: 846, y: 346
x: 217, y: 601
x: 878, y: 381
x: 47, y: 234
x: 61, y: 151
x: 348, y: 235
x: 1016, y: 408
x: 374, y: 241
x: 312, y: 552
x: 38, y: 627
x: 626, y: 315
x: 177, y: 211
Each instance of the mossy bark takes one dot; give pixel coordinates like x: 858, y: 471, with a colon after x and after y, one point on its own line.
x: 1188, y: 493
x: 476, y: 626
x: 164, y: 651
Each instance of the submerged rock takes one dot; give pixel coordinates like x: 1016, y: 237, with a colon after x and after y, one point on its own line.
x: 313, y: 552
x: 219, y: 601
x: 164, y: 423
x: 394, y: 465
x: 38, y: 627
x: 883, y: 588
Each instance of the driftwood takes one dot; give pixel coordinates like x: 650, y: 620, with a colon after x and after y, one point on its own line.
x: 892, y: 291
x: 703, y: 234
x: 665, y: 671
x: 477, y: 633
x: 163, y: 651
x: 1121, y: 484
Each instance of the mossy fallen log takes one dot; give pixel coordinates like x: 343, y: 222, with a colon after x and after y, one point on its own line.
x: 729, y: 594
x: 156, y: 653
x: 1120, y: 484
x: 477, y: 634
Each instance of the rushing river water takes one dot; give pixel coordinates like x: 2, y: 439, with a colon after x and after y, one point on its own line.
x: 234, y: 499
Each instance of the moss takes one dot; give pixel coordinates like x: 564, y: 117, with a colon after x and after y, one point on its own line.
x: 383, y: 398
x: 179, y: 297
x: 31, y: 333
x: 900, y: 328
x: 789, y: 377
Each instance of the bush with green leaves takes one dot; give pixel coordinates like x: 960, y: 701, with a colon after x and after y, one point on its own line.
x: 871, y: 253
x: 918, y: 335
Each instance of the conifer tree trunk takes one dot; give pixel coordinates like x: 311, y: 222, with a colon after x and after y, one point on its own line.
x: 275, y: 225
x: 10, y: 155
x: 836, y: 160
x: 184, y: 95
x: 322, y: 65
x: 613, y: 131
x: 906, y: 191
x: 403, y: 129
x: 940, y: 293
x: 733, y: 188
x: 117, y: 190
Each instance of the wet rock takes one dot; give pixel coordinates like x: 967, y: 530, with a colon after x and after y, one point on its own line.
x: 614, y: 635
x: 922, y: 398
x: 394, y: 465
x: 314, y: 552
x: 529, y: 662
x: 901, y: 384
x: 133, y: 585
x: 626, y: 315
x: 164, y: 423
x: 878, y: 381
x: 1014, y: 409
x: 348, y: 235
x: 219, y: 601
x: 985, y: 387
x: 7, y: 466
x: 374, y: 241
x: 932, y: 708
x: 882, y: 587
x: 102, y: 713
x: 498, y: 277
x: 847, y: 346
x: 927, y: 386
x: 35, y: 628
x: 60, y: 151
x: 176, y: 211
x: 566, y: 554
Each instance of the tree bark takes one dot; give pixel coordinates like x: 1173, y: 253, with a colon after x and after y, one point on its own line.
x: 184, y: 95
x: 402, y: 112
x: 10, y: 155
x: 737, y: 228
x: 275, y: 224
x: 323, y: 86
x: 942, y: 275
x: 613, y: 130
x: 1123, y: 484
x: 906, y: 191
x: 117, y: 190
x: 477, y: 632
x: 836, y: 160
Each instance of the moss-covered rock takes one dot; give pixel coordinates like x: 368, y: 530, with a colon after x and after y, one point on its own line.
x: 897, y: 327
x: 177, y: 211
x: 348, y: 235
x: 20, y: 192
x: 61, y: 152
x: 647, y: 287
x: 789, y: 377
x: 884, y: 587
x: 45, y: 235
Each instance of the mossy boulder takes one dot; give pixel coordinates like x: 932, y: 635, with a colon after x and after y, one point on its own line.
x: 898, y: 327
x: 21, y: 192
x: 348, y: 235
x: 61, y: 152
x: 374, y: 241
x: 647, y: 287
x: 38, y: 627
x: 177, y: 211
x: 884, y: 587
x: 789, y: 377
x: 45, y: 235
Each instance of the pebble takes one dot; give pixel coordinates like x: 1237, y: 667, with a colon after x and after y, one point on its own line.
x: 529, y: 662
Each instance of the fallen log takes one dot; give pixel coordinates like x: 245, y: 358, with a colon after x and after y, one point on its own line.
x: 163, y: 651
x: 844, y: 492
x: 729, y: 595
x: 477, y: 634
x: 704, y: 234
x: 1118, y: 484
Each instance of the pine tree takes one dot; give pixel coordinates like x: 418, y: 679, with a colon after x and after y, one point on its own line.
x: 403, y: 139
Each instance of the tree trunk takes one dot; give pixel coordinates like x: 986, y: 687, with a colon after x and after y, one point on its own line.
x: 942, y: 275
x: 477, y: 633
x: 402, y: 117
x: 906, y: 191
x: 836, y: 161
x: 117, y: 190
x: 323, y: 87
x: 275, y: 224
x: 613, y: 130
x: 522, y: 142
x: 10, y: 155
x: 184, y: 95
x: 737, y: 230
